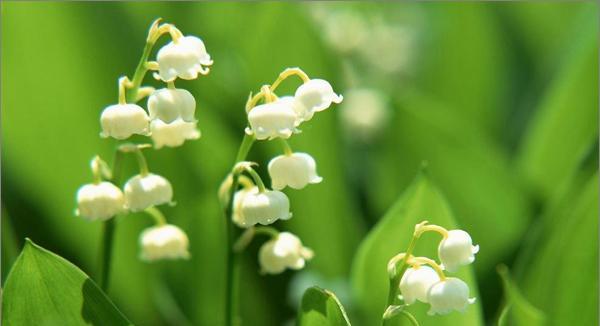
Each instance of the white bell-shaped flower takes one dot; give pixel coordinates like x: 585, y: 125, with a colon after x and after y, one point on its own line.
x: 448, y: 295
x: 284, y: 251
x: 142, y: 192
x: 457, y: 250
x: 415, y: 283
x: 295, y: 170
x: 272, y: 120
x: 99, y: 201
x: 164, y: 242
x: 170, y: 104
x: 255, y: 207
x: 313, y: 96
x: 173, y: 134
x: 238, y: 198
x: 183, y: 58
x: 120, y: 121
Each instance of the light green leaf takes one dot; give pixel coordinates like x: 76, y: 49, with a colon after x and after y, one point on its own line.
x: 518, y: 311
x: 391, y: 235
x: 566, y: 122
x: 45, y: 289
x: 561, y: 276
x: 321, y: 308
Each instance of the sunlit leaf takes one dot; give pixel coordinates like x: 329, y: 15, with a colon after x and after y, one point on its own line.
x: 518, y: 311
x: 45, y: 289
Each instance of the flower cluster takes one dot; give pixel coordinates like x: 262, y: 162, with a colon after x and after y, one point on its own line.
x: 169, y: 121
x: 254, y: 204
x: 424, y: 280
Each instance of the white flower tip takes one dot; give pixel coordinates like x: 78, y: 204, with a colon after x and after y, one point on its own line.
x: 475, y: 249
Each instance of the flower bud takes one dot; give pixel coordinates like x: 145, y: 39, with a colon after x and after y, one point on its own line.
x: 120, y: 121
x: 272, y: 120
x: 173, y: 134
x: 142, y: 192
x: 456, y: 250
x: 295, y: 170
x: 313, y: 96
x: 170, y: 104
x: 164, y: 242
x: 263, y: 208
x: 284, y: 251
x: 99, y: 201
x: 415, y: 283
x: 447, y: 295
x: 183, y: 58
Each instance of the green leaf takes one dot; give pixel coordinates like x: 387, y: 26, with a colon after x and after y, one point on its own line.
x: 320, y: 308
x: 566, y: 120
x: 45, y: 289
x: 561, y: 276
x: 391, y: 235
x: 518, y: 310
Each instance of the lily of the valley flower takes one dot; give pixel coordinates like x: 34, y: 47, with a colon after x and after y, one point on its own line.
x: 313, y: 96
x: 448, y: 295
x: 173, y: 134
x: 99, y: 201
x: 295, y: 170
x: 184, y: 58
x: 284, y: 251
x: 456, y: 250
x: 273, y: 120
x: 416, y: 282
x: 120, y: 121
x: 164, y: 242
x: 253, y: 207
x: 170, y: 104
x: 142, y: 192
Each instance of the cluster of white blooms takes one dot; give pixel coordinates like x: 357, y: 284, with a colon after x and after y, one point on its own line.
x: 279, y: 118
x: 169, y: 121
x: 429, y: 284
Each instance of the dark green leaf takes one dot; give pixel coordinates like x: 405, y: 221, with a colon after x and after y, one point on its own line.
x: 391, y: 235
x: 321, y: 308
x: 45, y: 289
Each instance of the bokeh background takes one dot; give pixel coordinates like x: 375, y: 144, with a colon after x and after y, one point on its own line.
x: 498, y: 100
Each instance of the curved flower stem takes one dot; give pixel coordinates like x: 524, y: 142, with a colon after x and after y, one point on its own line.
x: 287, y: 73
x: 232, y: 233
x: 108, y: 229
x: 157, y: 215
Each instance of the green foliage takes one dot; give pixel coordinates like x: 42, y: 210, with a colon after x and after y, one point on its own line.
x: 517, y: 311
x: 391, y: 235
x: 45, y: 289
x: 321, y: 308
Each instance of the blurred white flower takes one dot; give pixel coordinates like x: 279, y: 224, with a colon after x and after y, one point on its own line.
x: 120, y: 121
x: 388, y: 47
x: 99, y: 201
x: 295, y: 170
x: 447, y: 295
x: 184, y: 58
x: 142, y: 192
x: 173, y: 134
x: 284, y: 251
x: 272, y: 120
x: 364, y: 112
x: 170, y: 104
x: 313, y: 96
x: 415, y: 283
x: 344, y: 30
x: 164, y: 242
x: 255, y: 207
x: 456, y: 250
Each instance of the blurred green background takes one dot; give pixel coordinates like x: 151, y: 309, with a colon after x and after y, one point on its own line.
x: 499, y: 99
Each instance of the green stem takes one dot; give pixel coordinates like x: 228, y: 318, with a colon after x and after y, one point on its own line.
x: 395, y: 281
x: 287, y: 150
x: 142, y: 163
x: 108, y: 229
x: 232, y: 271
x: 157, y: 215
x: 140, y: 72
x: 257, y: 180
